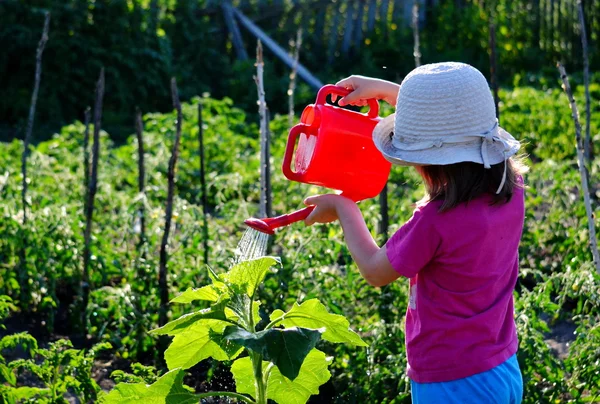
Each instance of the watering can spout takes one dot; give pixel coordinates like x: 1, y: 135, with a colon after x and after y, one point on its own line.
x: 269, y: 224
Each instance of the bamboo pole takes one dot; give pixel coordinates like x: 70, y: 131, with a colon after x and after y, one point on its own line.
x: 292, y: 87
x: 582, y: 169
x: 203, y: 184
x: 162, y: 274
x: 89, y: 204
x: 265, y: 186
x: 22, y: 274
x: 139, y: 131
x: 587, y: 143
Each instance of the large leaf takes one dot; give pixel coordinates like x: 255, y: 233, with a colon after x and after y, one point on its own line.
x: 201, y: 340
x: 247, y: 275
x: 168, y: 389
x: 286, y: 348
x: 243, y: 373
x: 184, y: 322
x: 313, y: 374
x: 313, y: 314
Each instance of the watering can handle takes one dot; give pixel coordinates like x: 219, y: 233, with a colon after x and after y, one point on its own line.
x: 289, y: 152
x: 331, y: 89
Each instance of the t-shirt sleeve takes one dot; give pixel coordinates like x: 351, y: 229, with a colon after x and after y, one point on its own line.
x: 415, y: 244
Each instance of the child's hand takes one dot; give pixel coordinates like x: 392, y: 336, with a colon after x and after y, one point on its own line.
x: 366, y: 88
x: 325, y: 208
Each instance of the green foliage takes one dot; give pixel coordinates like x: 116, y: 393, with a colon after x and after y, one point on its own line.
x: 283, y: 363
x: 168, y: 389
x: 142, y: 47
x: 557, y: 283
x: 59, y: 369
x: 281, y: 389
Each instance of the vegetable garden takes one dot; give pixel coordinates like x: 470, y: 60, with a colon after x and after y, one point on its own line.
x: 297, y: 325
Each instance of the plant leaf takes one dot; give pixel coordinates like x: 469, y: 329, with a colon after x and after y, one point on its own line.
x: 7, y: 376
x: 247, y: 275
x: 313, y: 374
x: 286, y: 348
x: 243, y: 373
x: 314, y: 315
x: 183, y: 323
x: 201, y: 340
x: 27, y: 393
x: 168, y: 389
x: 208, y: 292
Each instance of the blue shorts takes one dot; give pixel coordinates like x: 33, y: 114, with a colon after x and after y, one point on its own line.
x: 500, y: 385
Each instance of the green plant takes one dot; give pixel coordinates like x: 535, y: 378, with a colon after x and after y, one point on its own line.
x: 60, y: 369
x: 282, y: 363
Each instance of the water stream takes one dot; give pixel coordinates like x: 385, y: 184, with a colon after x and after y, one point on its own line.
x: 253, y: 244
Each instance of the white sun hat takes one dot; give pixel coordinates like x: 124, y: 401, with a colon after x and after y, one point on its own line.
x: 445, y: 114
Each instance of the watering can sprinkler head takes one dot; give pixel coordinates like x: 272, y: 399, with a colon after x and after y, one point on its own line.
x: 269, y: 224
x: 259, y: 224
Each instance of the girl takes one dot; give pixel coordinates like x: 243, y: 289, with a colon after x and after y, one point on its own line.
x: 459, y: 249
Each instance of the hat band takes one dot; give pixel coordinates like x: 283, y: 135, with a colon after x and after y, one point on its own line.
x: 489, y: 137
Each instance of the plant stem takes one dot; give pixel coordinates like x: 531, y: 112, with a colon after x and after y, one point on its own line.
x: 259, y: 382
x: 226, y: 394
x: 273, y: 323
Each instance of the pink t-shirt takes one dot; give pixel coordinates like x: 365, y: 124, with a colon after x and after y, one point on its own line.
x: 463, y: 266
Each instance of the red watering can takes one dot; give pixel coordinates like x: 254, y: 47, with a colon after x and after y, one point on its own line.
x: 335, y: 150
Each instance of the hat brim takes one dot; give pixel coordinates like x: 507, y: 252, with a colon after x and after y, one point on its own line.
x: 450, y: 153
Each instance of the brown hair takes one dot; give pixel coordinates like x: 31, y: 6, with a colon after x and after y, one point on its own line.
x: 462, y: 182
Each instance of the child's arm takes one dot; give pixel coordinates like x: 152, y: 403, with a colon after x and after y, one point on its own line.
x: 365, y: 88
x: 371, y: 260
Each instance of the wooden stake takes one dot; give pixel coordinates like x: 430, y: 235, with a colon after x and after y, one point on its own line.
x: 383, y: 210
x: 139, y: 131
x: 587, y: 143
x: 493, y: 67
x: 333, y: 34
x: 236, y: 37
x: 415, y: 27
x: 89, y: 204
x: 86, y: 157
x: 371, y: 13
x: 203, y: 183
x: 265, y: 186
x: 582, y: 169
x: 34, y: 95
x: 292, y: 88
x: 22, y: 275
x: 162, y: 274
x: 347, y: 40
